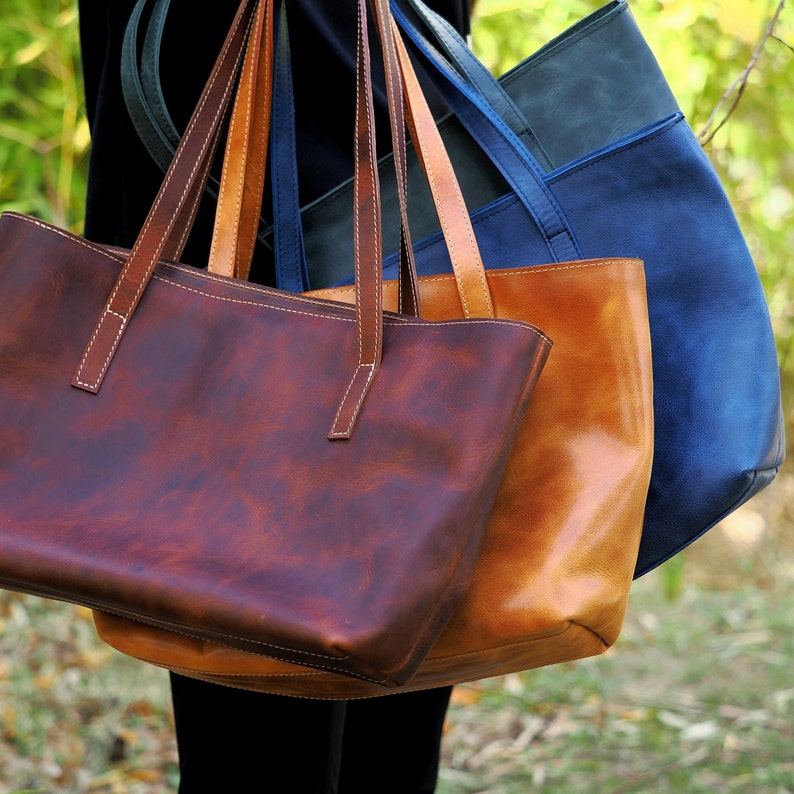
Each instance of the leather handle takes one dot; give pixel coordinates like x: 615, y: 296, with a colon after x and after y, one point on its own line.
x: 452, y: 45
x: 506, y: 148
x: 453, y: 215
x: 184, y: 181
x: 239, y: 203
x: 449, y: 202
x: 367, y: 247
x: 161, y: 225
x: 144, y: 99
x: 515, y: 162
x: 244, y: 175
x: 407, y: 290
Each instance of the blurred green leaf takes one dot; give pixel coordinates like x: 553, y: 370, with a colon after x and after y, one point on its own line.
x: 44, y: 138
x: 703, y: 47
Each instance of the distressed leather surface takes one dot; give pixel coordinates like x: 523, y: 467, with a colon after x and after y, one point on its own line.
x: 198, y: 490
x: 720, y: 436
x: 555, y: 568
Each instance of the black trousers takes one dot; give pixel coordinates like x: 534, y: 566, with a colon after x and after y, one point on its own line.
x: 231, y: 740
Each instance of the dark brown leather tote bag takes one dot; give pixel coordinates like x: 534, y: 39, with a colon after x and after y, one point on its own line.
x: 272, y: 472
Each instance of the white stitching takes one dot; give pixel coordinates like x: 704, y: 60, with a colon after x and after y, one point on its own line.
x: 113, y: 346
x: 395, y: 321
x: 507, y: 272
x: 431, y: 179
x: 344, y: 433
x: 125, y: 270
x: 400, y: 155
x: 186, y: 630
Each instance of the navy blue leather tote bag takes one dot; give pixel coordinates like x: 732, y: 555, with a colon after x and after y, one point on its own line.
x: 652, y: 194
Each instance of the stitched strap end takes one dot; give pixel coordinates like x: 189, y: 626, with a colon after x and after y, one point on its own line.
x: 99, y: 352
x: 350, y: 407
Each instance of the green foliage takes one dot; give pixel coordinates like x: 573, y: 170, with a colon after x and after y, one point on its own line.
x: 44, y: 135
x: 75, y: 716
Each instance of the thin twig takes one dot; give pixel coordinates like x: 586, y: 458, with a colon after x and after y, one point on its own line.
x: 784, y: 43
x: 738, y: 85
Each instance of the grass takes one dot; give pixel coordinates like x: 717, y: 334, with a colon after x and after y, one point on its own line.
x: 75, y: 716
x: 697, y: 696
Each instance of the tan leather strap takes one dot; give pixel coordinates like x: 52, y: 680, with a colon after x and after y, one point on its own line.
x: 453, y: 214
x: 244, y: 172
x: 450, y: 205
x: 240, y: 200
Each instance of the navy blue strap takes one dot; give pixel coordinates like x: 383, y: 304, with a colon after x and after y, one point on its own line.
x: 474, y: 70
x: 507, y: 152
x: 291, y: 269
x: 494, y: 135
x: 516, y: 163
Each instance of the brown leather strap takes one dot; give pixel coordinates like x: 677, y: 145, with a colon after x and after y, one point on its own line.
x: 366, y: 246
x: 175, y: 245
x: 409, y: 295
x: 176, y: 192
x: 244, y: 172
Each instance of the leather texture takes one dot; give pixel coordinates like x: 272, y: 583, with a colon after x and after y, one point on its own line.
x: 555, y: 568
x: 188, y: 480
x: 526, y: 606
x: 654, y: 195
x: 600, y: 76
x: 720, y: 435
x: 621, y: 89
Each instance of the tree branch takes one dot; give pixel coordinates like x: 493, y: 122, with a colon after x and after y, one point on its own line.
x: 736, y: 89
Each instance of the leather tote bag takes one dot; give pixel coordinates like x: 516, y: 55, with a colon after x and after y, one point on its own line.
x: 265, y: 470
x: 555, y: 568
x: 611, y: 165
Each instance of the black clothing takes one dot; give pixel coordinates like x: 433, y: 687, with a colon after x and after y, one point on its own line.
x: 123, y: 179
x: 235, y: 740
x: 238, y: 741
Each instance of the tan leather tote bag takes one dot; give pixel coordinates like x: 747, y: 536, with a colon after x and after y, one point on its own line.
x: 552, y: 580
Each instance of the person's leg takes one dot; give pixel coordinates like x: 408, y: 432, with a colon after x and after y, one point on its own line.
x: 392, y: 744
x: 233, y: 740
